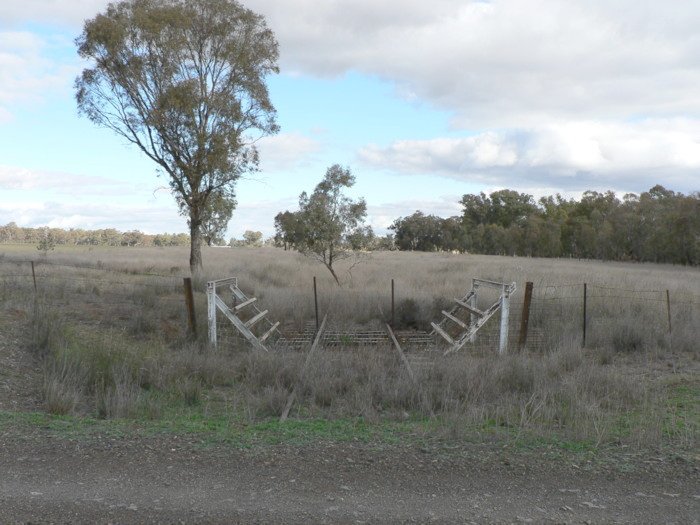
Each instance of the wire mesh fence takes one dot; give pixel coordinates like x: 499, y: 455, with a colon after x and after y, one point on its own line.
x: 154, y: 303
x: 140, y: 303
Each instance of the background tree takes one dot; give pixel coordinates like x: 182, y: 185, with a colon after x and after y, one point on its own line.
x: 183, y: 80
x: 328, y: 220
x: 418, y: 232
x: 361, y: 238
x: 252, y: 238
x: 132, y: 238
x: 508, y: 207
x: 47, y: 241
x: 659, y: 225
x: 287, y: 229
x: 216, y: 217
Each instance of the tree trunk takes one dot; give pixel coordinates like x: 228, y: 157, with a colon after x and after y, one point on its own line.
x: 195, y: 243
x: 330, y: 269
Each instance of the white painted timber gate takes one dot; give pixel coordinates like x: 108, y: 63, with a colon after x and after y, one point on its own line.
x: 243, y: 312
x: 458, y: 325
x: 466, y: 329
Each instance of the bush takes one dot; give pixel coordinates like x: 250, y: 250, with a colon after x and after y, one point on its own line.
x: 628, y: 338
x: 407, y: 314
x: 63, y: 386
x: 48, y: 330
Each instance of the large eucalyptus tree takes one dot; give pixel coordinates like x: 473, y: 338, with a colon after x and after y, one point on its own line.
x: 184, y: 81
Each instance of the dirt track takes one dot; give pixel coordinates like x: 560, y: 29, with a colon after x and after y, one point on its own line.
x: 166, y: 480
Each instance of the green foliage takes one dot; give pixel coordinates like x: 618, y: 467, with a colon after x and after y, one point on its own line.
x: 184, y: 81
x: 216, y: 216
x: 656, y: 226
x: 407, y: 314
x: 11, y: 233
x: 252, y: 238
x: 329, y: 225
x: 47, y: 242
x: 418, y: 232
x: 288, y: 229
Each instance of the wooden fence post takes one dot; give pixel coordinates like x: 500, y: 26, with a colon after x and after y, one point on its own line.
x: 668, y: 309
x: 392, y: 304
x: 211, y: 311
x: 316, y: 303
x: 473, y: 303
x: 505, y: 315
x: 525, y: 319
x: 34, y: 277
x: 585, y: 286
x: 189, y: 302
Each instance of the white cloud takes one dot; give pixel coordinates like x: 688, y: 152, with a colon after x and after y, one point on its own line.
x: 148, y: 218
x: 27, y: 74
x: 381, y: 216
x: 147, y: 214
x: 286, y: 151
x: 505, y: 62
x: 70, y: 12
x: 258, y: 215
x: 574, y: 155
x: 497, y: 63
x: 5, y: 116
x: 18, y: 178
x: 566, y: 95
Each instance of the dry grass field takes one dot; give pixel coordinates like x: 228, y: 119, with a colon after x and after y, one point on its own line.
x: 108, y: 326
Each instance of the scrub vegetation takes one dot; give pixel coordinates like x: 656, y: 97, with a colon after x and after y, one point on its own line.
x: 108, y: 327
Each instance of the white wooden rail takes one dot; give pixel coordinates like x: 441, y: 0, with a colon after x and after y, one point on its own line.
x: 477, y: 318
x: 240, y: 302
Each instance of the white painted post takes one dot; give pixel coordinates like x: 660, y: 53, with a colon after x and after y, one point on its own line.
x: 473, y: 317
x: 211, y: 311
x: 505, y: 311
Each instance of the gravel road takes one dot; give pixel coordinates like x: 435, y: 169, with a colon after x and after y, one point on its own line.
x: 171, y: 480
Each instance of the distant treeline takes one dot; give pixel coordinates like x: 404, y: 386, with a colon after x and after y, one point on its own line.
x: 658, y: 226
x: 11, y: 233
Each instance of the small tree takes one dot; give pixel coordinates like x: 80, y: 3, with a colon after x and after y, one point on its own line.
x: 184, y: 81
x: 287, y: 229
x: 252, y: 238
x: 327, y: 220
x: 47, y: 241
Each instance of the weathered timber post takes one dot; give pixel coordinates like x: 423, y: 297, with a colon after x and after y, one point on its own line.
x: 668, y: 309
x: 472, y: 302
x: 316, y: 303
x: 585, y: 289
x: 211, y: 311
x: 34, y: 277
x: 525, y: 319
x: 189, y: 302
x: 392, y: 305
x: 505, y: 313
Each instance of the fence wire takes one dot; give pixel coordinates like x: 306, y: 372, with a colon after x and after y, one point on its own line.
x: 142, y: 304
x: 154, y: 303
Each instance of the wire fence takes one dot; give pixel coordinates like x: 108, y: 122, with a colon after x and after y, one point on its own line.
x: 139, y: 303
x: 151, y: 303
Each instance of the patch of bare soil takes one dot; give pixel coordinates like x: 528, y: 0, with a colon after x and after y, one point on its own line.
x: 20, y: 372
x: 171, y: 480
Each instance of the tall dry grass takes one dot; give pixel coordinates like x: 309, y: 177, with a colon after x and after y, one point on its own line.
x: 136, y: 361
x: 282, y: 281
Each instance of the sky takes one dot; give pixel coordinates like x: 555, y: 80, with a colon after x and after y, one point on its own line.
x: 423, y: 101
